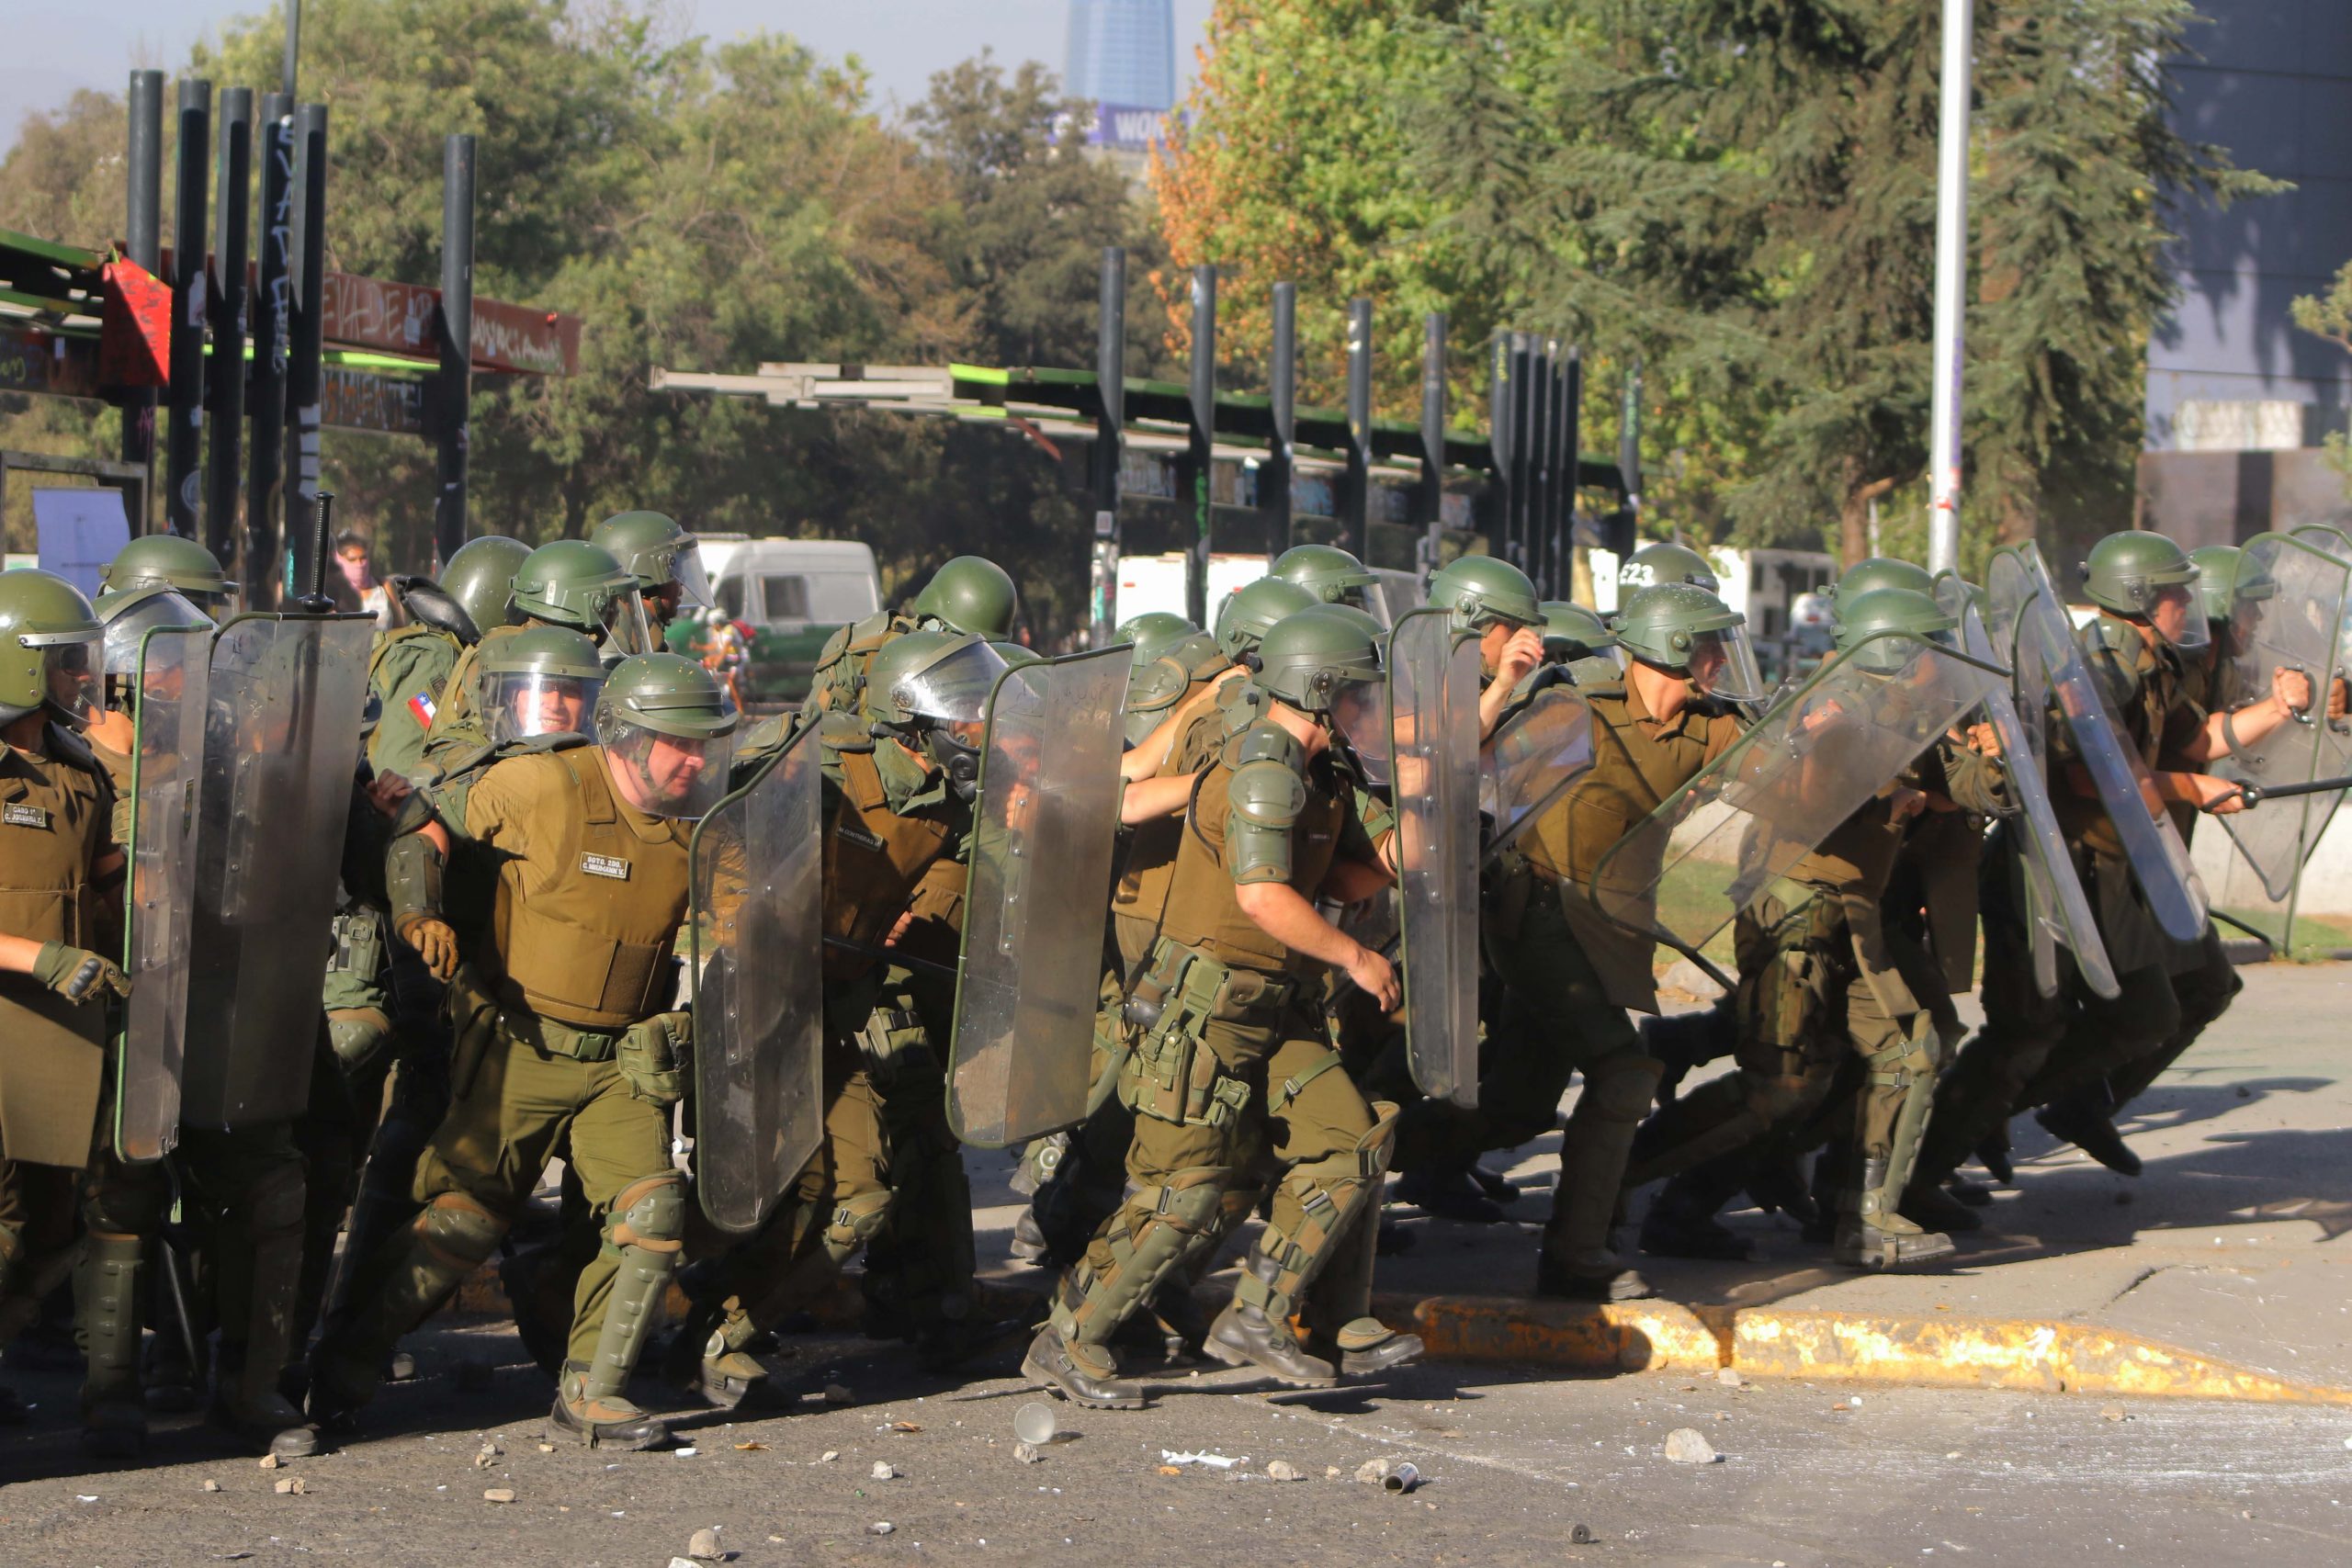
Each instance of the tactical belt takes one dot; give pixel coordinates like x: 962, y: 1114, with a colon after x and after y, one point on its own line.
x: 552, y: 1037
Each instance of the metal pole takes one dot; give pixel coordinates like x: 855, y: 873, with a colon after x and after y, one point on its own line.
x: 1522, y: 445
x: 272, y: 325
x: 1432, y: 486
x: 293, y: 49
x: 1201, y: 441
x: 303, y: 369
x: 142, y: 235
x: 1571, y: 444
x: 1629, y: 448
x: 1357, y: 516
x: 1539, y: 454
x: 1501, y: 390
x: 456, y: 343
x: 184, y: 421
x: 1563, y: 479
x: 1110, y: 385
x: 1275, y: 477
x: 1951, y: 284
x: 232, y: 224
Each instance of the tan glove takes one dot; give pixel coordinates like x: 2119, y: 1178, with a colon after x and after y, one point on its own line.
x: 434, y: 942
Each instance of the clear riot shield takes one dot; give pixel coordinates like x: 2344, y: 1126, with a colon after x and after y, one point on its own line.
x: 1434, y: 769
x: 1032, y: 964
x: 2050, y: 671
x: 1530, y: 760
x: 757, y: 883
x: 166, y: 769
x: 1718, y: 842
x: 281, y: 745
x: 2287, y: 615
x: 2060, y: 908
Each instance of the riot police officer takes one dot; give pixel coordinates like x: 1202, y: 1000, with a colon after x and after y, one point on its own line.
x: 663, y: 556
x: 563, y: 1023
x: 568, y: 583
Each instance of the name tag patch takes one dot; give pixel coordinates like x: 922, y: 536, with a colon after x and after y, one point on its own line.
x: 16, y: 814
x: 604, y: 865
x: 857, y: 833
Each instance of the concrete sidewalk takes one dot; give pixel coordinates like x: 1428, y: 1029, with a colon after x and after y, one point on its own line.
x: 2220, y: 1271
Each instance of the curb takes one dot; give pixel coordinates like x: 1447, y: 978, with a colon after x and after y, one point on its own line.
x: 1757, y: 1342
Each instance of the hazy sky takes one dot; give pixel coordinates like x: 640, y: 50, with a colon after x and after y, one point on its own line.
x: 53, y: 50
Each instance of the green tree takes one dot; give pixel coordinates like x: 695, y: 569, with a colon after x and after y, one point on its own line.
x: 2329, y: 315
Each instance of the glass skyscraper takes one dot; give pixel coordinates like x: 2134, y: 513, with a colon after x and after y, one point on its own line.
x: 1123, y: 52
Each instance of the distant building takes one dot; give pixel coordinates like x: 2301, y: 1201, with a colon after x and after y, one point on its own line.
x: 1123, y: 61
x: 2239, y: 398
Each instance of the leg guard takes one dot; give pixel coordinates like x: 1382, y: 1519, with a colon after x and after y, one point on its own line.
x: 1576, y: 1257
x: 107, y: 1300
x: 360, y: 1037
x: 418, y: 1268
x: 1341, y: 1303
x: 1152, y: 1234
x: 645, y: 1231
x: 260, y: 1272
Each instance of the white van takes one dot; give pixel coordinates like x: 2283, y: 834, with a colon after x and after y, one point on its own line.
x: 794, y: 594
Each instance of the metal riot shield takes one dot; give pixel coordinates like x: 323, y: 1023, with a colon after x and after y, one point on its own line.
x: 1434, y: 779
x: 1718, y: 842
x: 2059, y: 910
x: 757, y: 882
x: 166, y: 772
x: 280, y: 749
x: 2051, y: 670
x: 1530, y: 760
x: 1028, y: 983
x: 2287, y: 614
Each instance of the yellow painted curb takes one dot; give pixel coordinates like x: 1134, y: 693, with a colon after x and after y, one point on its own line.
x: 1972, y: 1352
x: 1624, y: 1336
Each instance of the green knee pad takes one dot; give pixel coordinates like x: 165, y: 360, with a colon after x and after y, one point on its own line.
x: 644, y: 1232
x: 1177, y: 1217
x: 1620, y: 1086
x: 856, y: 1220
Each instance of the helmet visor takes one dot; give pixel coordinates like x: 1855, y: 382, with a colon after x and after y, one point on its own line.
x: 694, y: 582
x: 2178, y: 611
x: 126, y: 631
x: 1359, y: 717
x: 73, y: 670
x: 675, y: 776
x: 953, y: 690
x: 1723, y: 664
x: 625, y: 629
x: 530, y: 702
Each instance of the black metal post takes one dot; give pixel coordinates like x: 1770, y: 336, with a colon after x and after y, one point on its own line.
x: 1109, y: 423
x: 1502, y: 390
x: 233, y: 226
x: 456, y: 343
x: 1522, y: 445
x: 184, y: 420
x: 1200, y: 442
x: 1356, y: 517
x: 1276, y: 475
x: 293, y: 49
x: 1539, y: 456
x: 143, y: 237
x: 1431, y: 493
x: 271, y: 330
x: 1571, y: 433
x: 304, y: 368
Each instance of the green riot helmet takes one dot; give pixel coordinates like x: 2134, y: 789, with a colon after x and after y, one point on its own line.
x: 2219, y: 585
x: 1153, y: 635
x: 1865, y: 619
x: 929, y: 691
x: 167, y: 561
x: 1654, y: 564
x: 541, y: 680
x: 1483, y: 591
x: 1310, y: 659
x: 969, y: 596
x: 1579, y: 639
x: 1250, y: 611
x: 52, y: 649
x: 1016, y: 654
x: 668, y: 729
x: 481, y: 578
x: 662, y: 556
x: 1685, y: 631
x: 574, y: 583
x: 1329, y: 572
x: 1882, y: 571
x: 128, y: 615
x: 2145, y: 576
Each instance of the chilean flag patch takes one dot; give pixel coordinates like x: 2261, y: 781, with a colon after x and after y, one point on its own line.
x: 421, y: 708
